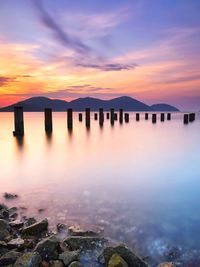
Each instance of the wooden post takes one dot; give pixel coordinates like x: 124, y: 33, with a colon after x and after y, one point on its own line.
x: 126, y: 117
x: 168, y: 116
x: 87, y: 117
x: 146, y: 116
x: 162, y: 116
x: 69, y: 118
x: 95, y: 116
x: 19, y: 121
x: 116, y: 116
x: 48, y: 120
x: 80, y: 117
x: 108, y: 115
x: 191, y: 117
x: 185, y: 118
x: 101, y: 117
x: 121, y: 115
x: 154, y: 118
x: 112, y: 115
x: 137, y: 116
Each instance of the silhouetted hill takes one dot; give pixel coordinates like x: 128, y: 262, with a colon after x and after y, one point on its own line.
x: 124, y: 102
x: 163, y: 107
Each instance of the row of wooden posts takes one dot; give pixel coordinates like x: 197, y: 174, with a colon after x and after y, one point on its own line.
x: 112, y: 115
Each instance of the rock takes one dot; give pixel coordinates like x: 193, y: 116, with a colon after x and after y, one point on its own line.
x: 2, y: 206
x: 4, y: 230
x: 75, y: 264
x: 29, y: 259
x: 69, y: 256
x: 166, y: 264
x: 84, y: 243
x: 9, y: 258
x: 56, y: 263
x: 36, y: 229
x: 117, y: 261
x: 4, y: 214
x: 30, y: 221
x: 16, y: 243
x: 77, y: 231
x: 44, y: 264
x: 47, y: 248
x: 16, y: 224
x: 41, y: 210
x: 130, y: 258
x: 10, y: 196
x: 62, y: 227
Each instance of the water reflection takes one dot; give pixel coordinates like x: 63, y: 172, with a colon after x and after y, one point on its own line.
x: 117, y: 177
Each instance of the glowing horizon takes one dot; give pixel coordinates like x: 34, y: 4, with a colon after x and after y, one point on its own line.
x: 68, y: 50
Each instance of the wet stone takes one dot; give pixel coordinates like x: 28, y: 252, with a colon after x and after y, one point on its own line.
x: 48, y: 248
x: 69, y: 256
x: 75, y: 264
x: 77, y: 231
x: 117, y: 261
x: 84, y: 243
x: 36, y: 229
x: 9, y: 258
x: 129, y: 257
x: 16, y: 243
x: 10, y: 196
x: 29, y: 259
x: 30, y: 221
x: 4, y: 230
x: 56, y: 263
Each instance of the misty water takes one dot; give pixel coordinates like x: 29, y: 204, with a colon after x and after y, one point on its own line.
x: 140, y: 182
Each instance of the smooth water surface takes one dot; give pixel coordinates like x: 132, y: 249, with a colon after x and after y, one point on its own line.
x: 139, y: 181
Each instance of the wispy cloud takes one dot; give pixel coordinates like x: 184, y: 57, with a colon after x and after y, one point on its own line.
x: 5, y: 80
x: 109, y: 67
x: 61, y: 36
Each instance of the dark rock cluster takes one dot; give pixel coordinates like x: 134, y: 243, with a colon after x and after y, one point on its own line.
x: 27, y: 243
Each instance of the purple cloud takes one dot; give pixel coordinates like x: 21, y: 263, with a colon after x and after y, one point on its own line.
x: 60, y: 35
x: 109, y: 67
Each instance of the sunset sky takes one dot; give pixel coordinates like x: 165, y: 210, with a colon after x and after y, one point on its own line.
x: 66, y: 49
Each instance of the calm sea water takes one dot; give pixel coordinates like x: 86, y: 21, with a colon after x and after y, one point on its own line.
x: 138, y: 181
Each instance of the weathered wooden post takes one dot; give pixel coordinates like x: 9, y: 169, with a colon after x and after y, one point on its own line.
x: 191, y: 117
x: 48, y: 120
x: 69, y: 118
x: 137, y: 116
x: 87, y: 117
x: 146, y: 116
x: 162, y: 116
x: 185, y: 118
x: 108, y: 115
x: 18, y: 121
x: 95, y: 116
x: 126, y: 117
x: 168, y: 116
x: 116, y: 116
x: 121, y: 115
x: 101, y: 117
x: 112, y: 115
x: 154, y: 118
x: 80, y: 117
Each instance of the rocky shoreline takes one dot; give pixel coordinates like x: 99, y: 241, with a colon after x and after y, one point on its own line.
x: 28, y: 243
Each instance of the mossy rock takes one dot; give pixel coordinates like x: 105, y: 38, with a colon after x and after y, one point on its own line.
x: 117, y: 261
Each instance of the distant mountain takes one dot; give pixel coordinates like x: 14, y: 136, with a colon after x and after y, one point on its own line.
x: 124, y: 102
x: 163, y: 107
